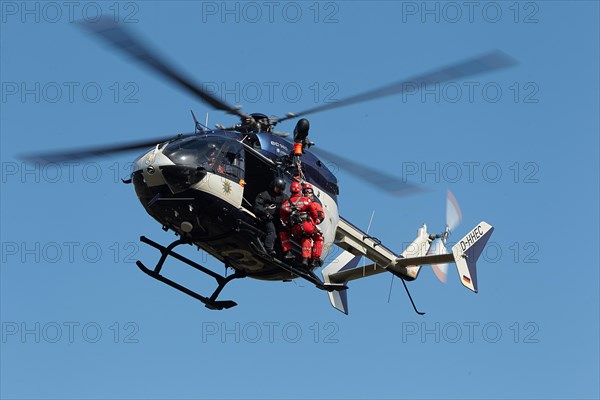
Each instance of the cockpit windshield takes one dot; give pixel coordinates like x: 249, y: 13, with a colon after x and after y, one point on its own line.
x: 215, y: 154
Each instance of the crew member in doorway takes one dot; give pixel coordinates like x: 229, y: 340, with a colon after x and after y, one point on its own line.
x: 266, y: 206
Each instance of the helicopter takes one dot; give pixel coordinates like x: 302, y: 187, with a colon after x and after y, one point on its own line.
x: 202, y: 186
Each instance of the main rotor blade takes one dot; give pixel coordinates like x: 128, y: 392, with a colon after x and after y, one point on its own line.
x: 118, y: 37
x: 487, y: 62
x: 386, y: 182
x: 59, y: 157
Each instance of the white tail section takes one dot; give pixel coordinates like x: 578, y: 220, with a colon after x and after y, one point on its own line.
x: 344, y: 267
x: 417, y: 248
x: 467, y: 251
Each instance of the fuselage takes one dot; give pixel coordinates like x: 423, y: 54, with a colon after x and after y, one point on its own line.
x: 203, y: 188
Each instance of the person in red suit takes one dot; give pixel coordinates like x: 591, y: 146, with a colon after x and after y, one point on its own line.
x: 317, y: 215
x: 295, y: 216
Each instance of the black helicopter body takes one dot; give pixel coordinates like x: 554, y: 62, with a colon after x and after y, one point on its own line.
x: 208, y: 199
x: 203, y: 186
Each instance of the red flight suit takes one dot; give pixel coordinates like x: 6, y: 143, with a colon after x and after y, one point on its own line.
x: 308, y: 215
x: 317, y: 215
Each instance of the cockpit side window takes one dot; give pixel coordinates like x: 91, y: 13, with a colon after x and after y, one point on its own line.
x: 221, y: 156
x: 231, y: 160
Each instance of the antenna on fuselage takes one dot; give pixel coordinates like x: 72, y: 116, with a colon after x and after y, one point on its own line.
x: 198, y: 126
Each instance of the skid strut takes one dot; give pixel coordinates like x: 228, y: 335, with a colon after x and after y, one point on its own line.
x: 210, y: 302
x: 407, y: 292
x: 308, y: 275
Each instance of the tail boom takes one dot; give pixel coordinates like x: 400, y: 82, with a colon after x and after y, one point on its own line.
x: 464, y: 254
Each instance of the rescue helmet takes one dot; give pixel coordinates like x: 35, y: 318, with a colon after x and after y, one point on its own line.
x: 295, y: 187
x: 307, y: 189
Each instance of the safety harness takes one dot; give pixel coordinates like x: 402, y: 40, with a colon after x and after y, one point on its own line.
x: 297, y: 217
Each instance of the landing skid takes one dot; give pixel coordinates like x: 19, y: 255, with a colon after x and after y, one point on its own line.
x: 308, y: 275
x: 210, y: 302
x: 301, y: 273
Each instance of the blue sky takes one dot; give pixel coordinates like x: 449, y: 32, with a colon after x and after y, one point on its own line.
x: 519, y: 148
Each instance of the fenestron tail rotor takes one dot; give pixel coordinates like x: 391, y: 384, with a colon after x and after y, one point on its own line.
x: 438, y: 246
